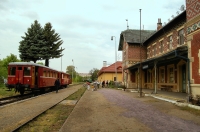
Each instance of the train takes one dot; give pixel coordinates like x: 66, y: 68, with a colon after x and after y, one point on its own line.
x: 26, y: 76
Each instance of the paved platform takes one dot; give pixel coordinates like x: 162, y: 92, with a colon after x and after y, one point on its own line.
x: 14, y: 115
x: 117, y: 110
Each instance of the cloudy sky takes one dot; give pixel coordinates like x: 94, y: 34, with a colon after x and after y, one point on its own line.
x: 85, y: 26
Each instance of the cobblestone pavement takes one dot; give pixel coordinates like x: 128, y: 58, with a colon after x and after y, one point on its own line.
x: 108, y: 110
x: 12, y: 116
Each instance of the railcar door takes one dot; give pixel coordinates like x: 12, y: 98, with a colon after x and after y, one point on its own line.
x: 19, y: 76
x: 33, y: 76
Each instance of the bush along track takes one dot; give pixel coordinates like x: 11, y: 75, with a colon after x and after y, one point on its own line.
x: 54, y: 118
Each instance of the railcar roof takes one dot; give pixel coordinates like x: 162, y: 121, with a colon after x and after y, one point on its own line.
x: 31, y: 64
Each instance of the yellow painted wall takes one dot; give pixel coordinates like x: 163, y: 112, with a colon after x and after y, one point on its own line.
x: 109, y: 76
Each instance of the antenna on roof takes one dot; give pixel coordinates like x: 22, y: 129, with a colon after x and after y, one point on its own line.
x: 182, y: 8
x: 127, y: 24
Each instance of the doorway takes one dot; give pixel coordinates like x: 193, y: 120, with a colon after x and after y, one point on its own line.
x: 183, y: 81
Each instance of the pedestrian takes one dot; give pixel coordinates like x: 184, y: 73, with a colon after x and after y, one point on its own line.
x: 88, y: 85
x: 103, y: 84
x: 107, y: 83
x: 98, y: 83
x: 57, y: 84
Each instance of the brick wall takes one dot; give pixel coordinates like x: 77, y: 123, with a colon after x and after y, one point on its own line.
x: 193, y: 8
x: 195, y: 47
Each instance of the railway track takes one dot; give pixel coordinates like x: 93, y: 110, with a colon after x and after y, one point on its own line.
x: 12, y: 99
x: 39, y: 114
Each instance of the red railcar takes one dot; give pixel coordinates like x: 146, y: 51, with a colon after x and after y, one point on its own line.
x: 31, y: 76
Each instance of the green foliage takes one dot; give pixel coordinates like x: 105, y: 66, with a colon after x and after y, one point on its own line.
x: 94, y: 73
x: 53, y: 43
x: 4, y: 65
x: 40, y: 44
x: 8, y: 59
x: 33, y: 44
x: 41, y: 63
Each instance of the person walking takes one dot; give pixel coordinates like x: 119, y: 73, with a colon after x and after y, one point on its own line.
x: 57, y: 84
x: 107, y: 83
x: 98, y: 83
x: 88, y: 85
x: 103, y: 84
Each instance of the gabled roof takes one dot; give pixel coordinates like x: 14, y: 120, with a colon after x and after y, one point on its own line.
x: 111, y: 68
x: 181, y: 18
x: 133, y: 36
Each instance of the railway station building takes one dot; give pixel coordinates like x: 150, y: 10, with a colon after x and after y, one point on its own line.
x: 165, y: 59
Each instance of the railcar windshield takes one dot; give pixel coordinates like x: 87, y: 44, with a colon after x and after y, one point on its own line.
x: 12, y: 70
x: 27, y: 71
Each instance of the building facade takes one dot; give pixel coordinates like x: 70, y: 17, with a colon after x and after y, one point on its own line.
x: 108, y: 73
x: 167, y: 58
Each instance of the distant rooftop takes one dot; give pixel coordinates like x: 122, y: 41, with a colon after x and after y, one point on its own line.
x: 84, y: 74
x: 133, y: 36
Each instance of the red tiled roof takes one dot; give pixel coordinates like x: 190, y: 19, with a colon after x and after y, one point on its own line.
x: 111, y: 68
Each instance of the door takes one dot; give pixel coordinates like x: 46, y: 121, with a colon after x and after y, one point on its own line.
x: 19, y: 76
x: 184, y: 78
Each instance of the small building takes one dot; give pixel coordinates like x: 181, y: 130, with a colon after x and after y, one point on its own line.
x: 109, y: 73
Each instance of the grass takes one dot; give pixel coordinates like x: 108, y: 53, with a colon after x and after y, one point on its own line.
x: 4, y: 92
x: 191, y: 110
x: 53, y: 119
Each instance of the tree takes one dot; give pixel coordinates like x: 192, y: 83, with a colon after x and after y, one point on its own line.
x: 41, y: 63
x: 4, y: 65
x: 33, y: 45
x: 8, y: 59
x: 70, y: 70
x: 53, y: 43
x: 94, y: 73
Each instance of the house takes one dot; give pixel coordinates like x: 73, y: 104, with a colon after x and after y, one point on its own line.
x: 166, y: 59
x: 110, y: 73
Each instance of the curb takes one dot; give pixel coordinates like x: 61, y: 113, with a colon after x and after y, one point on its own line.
x: 175, y: 102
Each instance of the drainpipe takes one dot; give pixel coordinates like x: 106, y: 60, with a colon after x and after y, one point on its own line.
x: 155, y: 82
x: 188, y: 63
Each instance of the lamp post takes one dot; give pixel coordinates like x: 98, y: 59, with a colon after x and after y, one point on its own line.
x: 72, y: 69
x: 140, y: 71
x: 76, y: 75
x: 61, y: 59
x: 115, y: 57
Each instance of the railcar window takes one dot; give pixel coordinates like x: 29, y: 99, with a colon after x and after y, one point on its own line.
x: 19, y: 68
x: 44, y: 73
x: 12, y: 70
x: 27, y: 71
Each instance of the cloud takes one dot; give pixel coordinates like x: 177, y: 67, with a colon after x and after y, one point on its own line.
x: 31, y: 15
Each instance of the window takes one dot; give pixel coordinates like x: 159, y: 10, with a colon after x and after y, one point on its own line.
x: 171, y: 75
x: 27, y: 71
x: 44, y: 73
x: 170, y: 42
x: 162, y: 75
x: 181, y: 37
x: 154, y: 47
x: 12, y: 70
x: 161, y: 46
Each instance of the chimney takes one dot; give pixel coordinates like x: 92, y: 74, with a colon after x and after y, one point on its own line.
x: 104, y: 63
x: 159, y: 24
